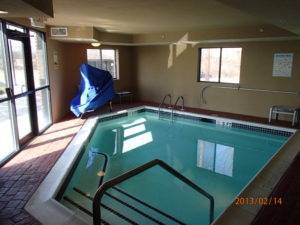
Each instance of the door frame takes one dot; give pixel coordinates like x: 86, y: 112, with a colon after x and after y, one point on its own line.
x: 31, y: 90
x: 29, y: 82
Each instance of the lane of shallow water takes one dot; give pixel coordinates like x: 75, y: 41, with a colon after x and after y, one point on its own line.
x: 220, y: 160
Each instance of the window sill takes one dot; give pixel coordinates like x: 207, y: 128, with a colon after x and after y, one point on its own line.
x: 216, y: 82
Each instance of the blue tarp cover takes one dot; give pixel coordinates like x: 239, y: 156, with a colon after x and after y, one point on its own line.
x: 96, y: 89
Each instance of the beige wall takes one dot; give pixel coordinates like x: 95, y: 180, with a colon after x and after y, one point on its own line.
x: 154, y: 71
x: 65, y: 77
x: 57, y: 79
x: 173, y: 69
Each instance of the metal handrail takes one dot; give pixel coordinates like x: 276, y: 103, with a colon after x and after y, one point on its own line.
x: 238, y: 88
x: 156, y: 162
x: 174, y: 106
x: 104, y: 165
x: 83, y: 209
x: 163, y: 102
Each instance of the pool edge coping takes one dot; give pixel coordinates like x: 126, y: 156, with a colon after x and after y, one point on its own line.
x: 44, y: 196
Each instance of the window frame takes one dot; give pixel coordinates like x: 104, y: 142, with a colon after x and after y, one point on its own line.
x: 116, y: 56
x: 220, y: 65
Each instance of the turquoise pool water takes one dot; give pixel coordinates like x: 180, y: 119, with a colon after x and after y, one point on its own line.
x: 219, y: 159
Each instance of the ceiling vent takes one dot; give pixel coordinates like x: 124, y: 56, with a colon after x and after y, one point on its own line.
x: 37, y: 22
x: 59, y: 31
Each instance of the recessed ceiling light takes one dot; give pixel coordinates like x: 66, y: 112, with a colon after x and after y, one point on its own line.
x: 95, y: 44
x: 3, y: 12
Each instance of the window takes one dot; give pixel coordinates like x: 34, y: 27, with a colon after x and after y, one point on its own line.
x: 40, y: 78
x: 106, y: 59
x: 15, y: 28
x: 39, y: 60
x: 220, y: 65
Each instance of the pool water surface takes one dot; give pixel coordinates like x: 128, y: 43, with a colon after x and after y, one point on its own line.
x: 219, y: 159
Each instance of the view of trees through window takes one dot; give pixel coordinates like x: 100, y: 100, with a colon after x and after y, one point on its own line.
x: 40, y: 76
x: 3, y: 78
x: 220, y: 65
x: 106, y: 59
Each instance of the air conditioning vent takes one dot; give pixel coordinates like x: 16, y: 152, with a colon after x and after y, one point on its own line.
x: 59, y: 32
x: 37, y: 22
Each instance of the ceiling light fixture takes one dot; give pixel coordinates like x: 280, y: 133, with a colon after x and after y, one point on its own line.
x: 3, y: 12
x: 95, y: 44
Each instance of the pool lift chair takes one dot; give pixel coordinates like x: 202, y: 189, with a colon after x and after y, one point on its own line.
x: 95, y: 90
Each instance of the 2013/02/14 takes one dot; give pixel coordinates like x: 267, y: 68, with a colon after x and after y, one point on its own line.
x: 258, y: 201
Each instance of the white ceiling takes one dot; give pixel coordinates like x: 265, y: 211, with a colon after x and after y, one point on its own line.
x: 156, y: 16
x: 149, y: 16
x: 282, y: 13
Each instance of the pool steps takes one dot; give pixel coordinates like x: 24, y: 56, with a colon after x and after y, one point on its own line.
x: 131, y: 202
x: 142, y: 212
x: 101, y: 192
x: 149, y: 212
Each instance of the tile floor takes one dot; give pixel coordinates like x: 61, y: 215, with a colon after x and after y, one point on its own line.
x: 21, y: 176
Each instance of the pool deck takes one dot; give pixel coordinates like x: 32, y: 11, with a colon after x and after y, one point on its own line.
x: 21, y: 176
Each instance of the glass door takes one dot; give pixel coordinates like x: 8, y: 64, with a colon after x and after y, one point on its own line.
x: 25, y: 109
x: 7, y: 123
x: 20, y: 91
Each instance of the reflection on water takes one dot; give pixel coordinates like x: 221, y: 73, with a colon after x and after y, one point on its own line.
x: 131, y: 136
x: 137, y: 121
x: 215, y: 157
x: 134, y: 130
x: 137, y: 141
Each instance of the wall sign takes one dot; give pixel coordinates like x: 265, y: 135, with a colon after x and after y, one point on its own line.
x: 282, y: 64
x: 55, y: 60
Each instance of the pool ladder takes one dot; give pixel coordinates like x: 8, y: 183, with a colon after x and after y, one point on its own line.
x: 174, y: 106
x: 162, y: 104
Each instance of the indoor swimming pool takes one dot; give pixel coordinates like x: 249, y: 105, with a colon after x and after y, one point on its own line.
x: 219, y: 157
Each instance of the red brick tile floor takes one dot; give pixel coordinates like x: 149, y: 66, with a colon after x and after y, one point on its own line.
x: 21, y: 176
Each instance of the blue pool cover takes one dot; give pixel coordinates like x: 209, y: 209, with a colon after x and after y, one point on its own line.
x: 96, y: 89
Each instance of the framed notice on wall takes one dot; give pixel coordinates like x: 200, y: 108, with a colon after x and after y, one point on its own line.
x: 282, y: 64
x: 55, y: 60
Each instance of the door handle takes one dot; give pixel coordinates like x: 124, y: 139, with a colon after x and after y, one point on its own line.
x: 9, y: 92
